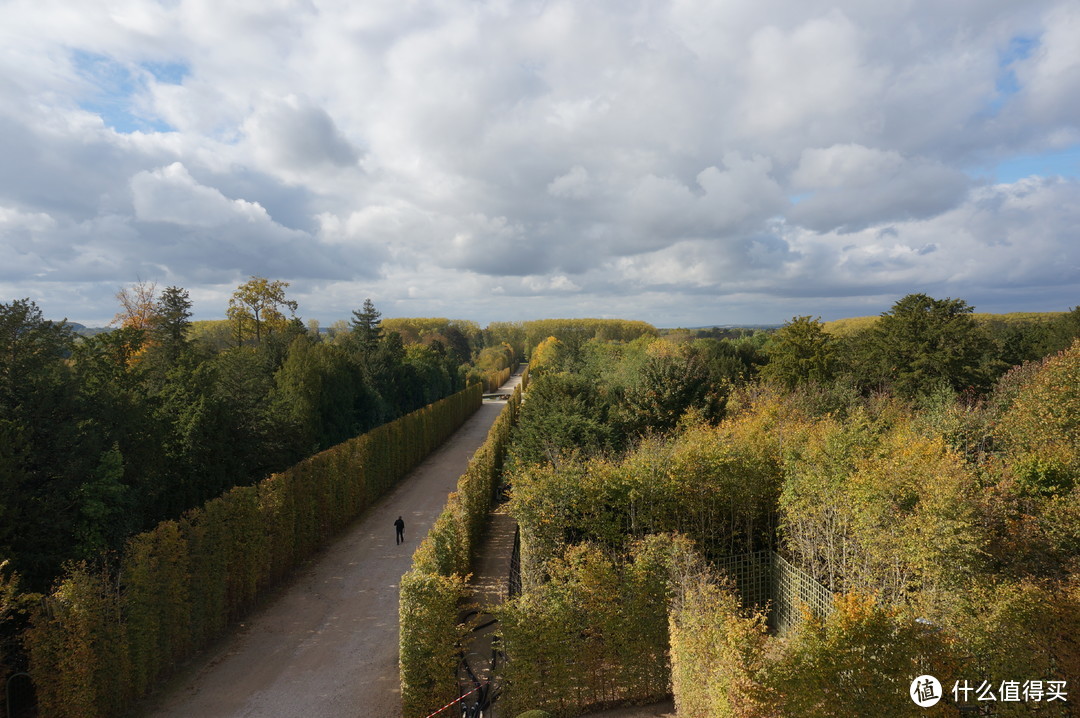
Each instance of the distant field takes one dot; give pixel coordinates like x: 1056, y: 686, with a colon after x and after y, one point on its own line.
x: 853, y: 325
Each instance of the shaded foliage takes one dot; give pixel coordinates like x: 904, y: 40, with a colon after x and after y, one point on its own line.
x: 101, y: 639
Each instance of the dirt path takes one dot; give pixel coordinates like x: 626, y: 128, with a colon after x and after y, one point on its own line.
x: 327, y: 644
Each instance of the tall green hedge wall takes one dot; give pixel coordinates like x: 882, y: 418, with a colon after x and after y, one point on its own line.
x: 430, y: 591
x: 103, y: 639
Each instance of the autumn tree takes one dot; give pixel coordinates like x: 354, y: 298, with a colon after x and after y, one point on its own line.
x: 256, y: 309
x: 549, y: 356
x: 138, y: 307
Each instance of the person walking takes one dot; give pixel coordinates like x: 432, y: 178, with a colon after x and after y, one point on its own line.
x: 400, y: 526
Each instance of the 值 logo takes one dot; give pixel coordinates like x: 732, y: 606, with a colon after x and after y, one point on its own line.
x: 925, y: 691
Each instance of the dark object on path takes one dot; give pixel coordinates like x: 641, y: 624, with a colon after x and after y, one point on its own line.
x: 400, y: 526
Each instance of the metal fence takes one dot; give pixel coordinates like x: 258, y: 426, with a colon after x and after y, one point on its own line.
x: 752, y: 575
x: 766, y: 579
x: 795, y: 590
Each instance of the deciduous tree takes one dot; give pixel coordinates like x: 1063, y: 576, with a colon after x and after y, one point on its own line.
x: 257, y: 309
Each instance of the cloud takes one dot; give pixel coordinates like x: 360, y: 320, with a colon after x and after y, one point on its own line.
x: 853, y: 187
x: 706, y: 156
x: 296, y: 137
x: 1049, y: 78
x: 574, y: 184
x: 171, y: 194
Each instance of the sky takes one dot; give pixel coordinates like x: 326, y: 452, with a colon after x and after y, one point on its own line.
x: 683, y: 162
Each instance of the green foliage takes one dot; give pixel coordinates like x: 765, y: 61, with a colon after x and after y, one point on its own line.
x: 564, y: 414
x: 96, y: 644
x: 39, y: 407
x: 800, y: 352
x: 105, y: 504
x: 923, y: 342
x: 172, y: 322
x: 366, y: 327
x: 716, y: 484
x: 429, y: 640
x: 672, y: 380
x: 594, y: 634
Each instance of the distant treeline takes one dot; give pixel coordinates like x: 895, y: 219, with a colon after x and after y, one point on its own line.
x: 104, y: 436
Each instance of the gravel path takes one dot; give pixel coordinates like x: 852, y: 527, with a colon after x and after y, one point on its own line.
x: 326, y: 645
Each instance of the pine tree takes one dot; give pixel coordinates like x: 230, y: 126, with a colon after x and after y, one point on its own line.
x: 172, y: 320
x: 366, y: 327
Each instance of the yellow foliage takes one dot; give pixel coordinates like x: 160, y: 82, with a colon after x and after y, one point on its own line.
x: 1041, y: 427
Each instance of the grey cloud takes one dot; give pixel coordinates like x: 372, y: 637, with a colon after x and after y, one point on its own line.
x: 297, y: 135
x: 171, y: 194
x: 854, y: 187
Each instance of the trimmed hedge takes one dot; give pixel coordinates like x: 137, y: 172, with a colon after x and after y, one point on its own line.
x: 494, y: 379
x: 99, y: 642
x: 594, y: 635
x: 431, y: 590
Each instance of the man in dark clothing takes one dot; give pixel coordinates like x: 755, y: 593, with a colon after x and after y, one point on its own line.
x: 400, y: 526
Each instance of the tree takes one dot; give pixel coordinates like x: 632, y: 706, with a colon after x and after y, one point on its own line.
x: 32, y: 354
x: 457, y: 344
x: 365, y: 327
x: 38, y: 409
x: 549, y: 356
x: 1062, y: 331
x: 138, y: 307
x: 800, y: 351
x: 172, y: 321
x: 256, y: 308
x: 924, y: 342
x: 671, y: 381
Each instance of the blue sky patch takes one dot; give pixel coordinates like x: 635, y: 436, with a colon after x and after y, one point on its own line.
x: 1006, y: 84
x: 167, y: 73
x: 1064, y: 163
x: 116, y: 87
